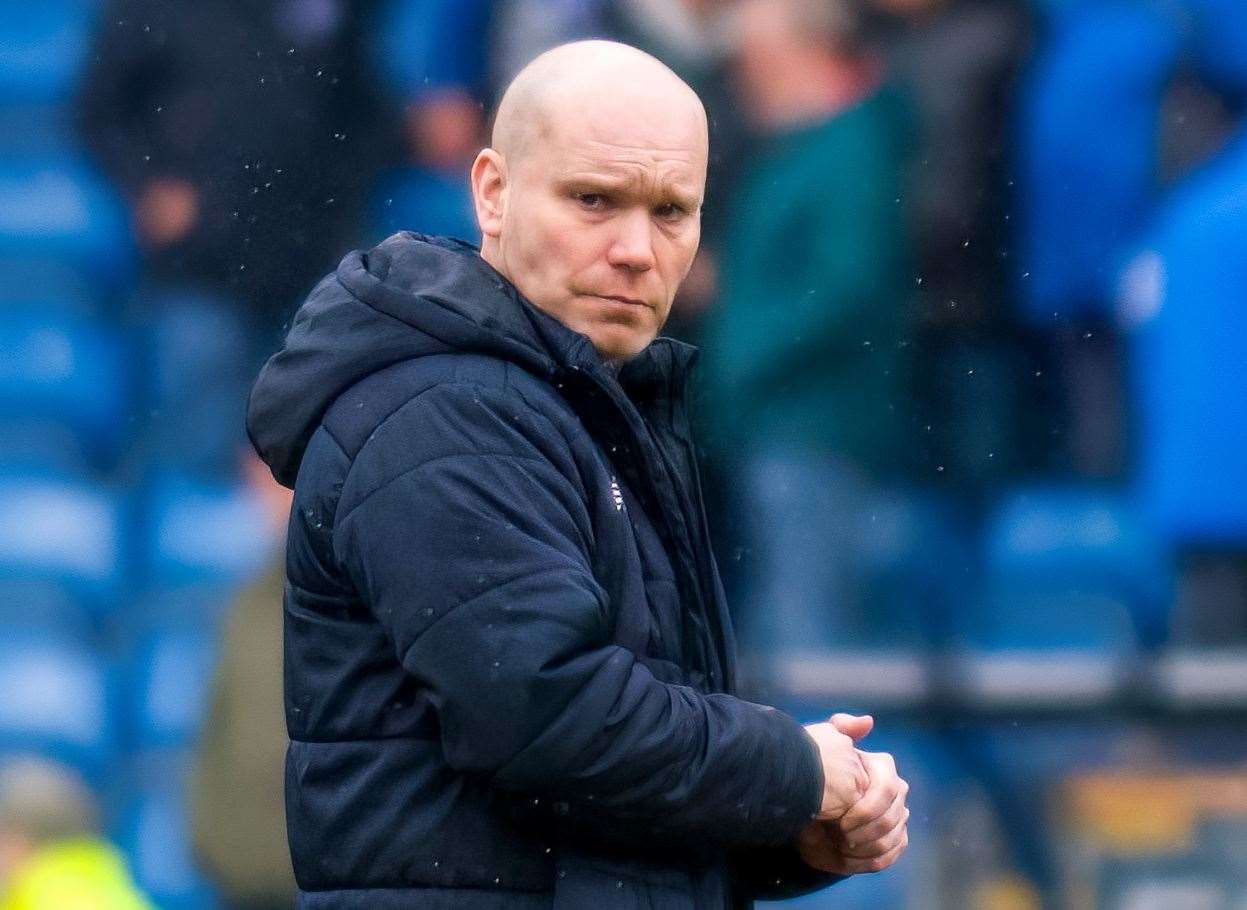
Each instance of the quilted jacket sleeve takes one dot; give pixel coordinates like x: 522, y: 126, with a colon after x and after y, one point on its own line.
x: 472, y: 545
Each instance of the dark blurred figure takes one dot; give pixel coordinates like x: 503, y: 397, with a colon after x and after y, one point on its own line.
x: 237, y: 796
x: 804, y: 355
x: 956, y: 61
x: 51, y: 855
x: 243, y: 135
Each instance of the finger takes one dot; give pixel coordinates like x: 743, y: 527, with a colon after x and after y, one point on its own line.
x: 895, y: 815
x: 877, y: 846
x: 877, y: 800
x: 854, y: 726
x: 851, y: 866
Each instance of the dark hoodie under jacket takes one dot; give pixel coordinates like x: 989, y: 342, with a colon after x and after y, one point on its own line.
x: 508, y: 662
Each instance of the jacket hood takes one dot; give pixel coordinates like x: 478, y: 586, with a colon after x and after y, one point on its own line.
x: 410, y: 296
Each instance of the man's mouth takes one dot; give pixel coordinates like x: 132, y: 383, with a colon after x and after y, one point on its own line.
x: 632, y: 300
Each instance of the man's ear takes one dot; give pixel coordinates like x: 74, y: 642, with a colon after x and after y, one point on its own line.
x: 489, y: 190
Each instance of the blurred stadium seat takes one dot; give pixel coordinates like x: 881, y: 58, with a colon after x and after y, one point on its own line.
x: 61, y: 372
x: 57, y: 702
x: 69, y: 532
x: 1074, y: 568
x: 30, y: 606
x: 200, y: 532
x: 168, y: 675
x: 153, y: 830
x: 918, y: 565
x: 60, y: 208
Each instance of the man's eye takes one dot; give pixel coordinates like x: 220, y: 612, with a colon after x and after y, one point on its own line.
x: 670, y: 210
x: 592, y: 200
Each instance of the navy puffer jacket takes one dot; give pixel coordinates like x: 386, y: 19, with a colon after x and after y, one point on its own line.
x: 508, y: 662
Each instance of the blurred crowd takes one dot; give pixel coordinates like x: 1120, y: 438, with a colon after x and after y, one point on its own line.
x: 970, y: 287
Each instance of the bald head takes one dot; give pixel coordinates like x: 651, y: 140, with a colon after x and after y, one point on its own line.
x: 589, y: 198
x: 564, y: 80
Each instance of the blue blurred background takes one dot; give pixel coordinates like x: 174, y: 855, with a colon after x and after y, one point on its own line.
x: 972, y: 292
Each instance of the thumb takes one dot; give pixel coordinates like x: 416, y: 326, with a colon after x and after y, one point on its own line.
x: 854, y: 726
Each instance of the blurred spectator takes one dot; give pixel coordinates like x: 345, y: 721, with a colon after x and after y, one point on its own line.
x: 1187, y: 331
x: 522, y: 29
x: 1087, y: 176
x: 804, y: 354
x: 51, y: 857
x: 238, y: 806
x: 956, y: 61
x: 432, y: 59
x: 242, y: 134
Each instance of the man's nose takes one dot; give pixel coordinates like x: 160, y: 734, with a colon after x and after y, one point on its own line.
x: 633, y: 247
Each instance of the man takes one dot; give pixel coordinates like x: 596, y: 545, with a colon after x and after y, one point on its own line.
x: 509, y: 663
x: 804, y: 353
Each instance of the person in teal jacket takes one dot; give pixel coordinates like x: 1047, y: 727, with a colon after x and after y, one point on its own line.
x: 805, y: 352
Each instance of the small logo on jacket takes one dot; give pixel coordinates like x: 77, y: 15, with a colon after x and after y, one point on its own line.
x: 616, y: 495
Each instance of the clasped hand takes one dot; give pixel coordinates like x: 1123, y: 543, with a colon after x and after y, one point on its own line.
x: 862, y: 825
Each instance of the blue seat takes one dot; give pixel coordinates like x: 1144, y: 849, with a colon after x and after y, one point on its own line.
x: 202, y: 532
x: 918, y: 566
x: 70, y: 532
x: 56, y: 701
x: 168, y: 680
x: 49, y: 285
x: 1071, y: 567
x: 152, y: 828
x: 37, y: 444
x: 60, y: 209
x: 60, y: 370
x: 43, y: 607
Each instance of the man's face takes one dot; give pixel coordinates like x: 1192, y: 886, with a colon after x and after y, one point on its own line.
x: 603, y: 219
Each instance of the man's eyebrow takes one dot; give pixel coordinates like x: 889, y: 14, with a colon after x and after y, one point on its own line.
x: 623, y: 184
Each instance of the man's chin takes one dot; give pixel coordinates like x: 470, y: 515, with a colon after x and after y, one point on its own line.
x: 615, y: 345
